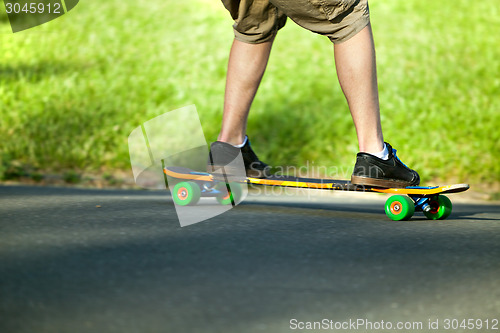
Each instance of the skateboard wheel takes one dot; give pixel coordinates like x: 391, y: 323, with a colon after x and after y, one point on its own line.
x: 440, y: 208
x: 229, y: 194
x: 186, y: 193
x: 399, y: 207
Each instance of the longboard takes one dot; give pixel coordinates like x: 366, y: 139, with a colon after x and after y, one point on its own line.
x: 191, y: 185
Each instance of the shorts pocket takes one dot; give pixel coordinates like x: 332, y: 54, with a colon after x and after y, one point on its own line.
x: 334, y: 8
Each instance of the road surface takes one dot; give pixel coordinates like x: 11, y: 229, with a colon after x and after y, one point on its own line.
x: 85, y: 260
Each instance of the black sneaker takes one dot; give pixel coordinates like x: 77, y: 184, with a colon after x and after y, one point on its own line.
x: 222, y: 154
x: 373, y: 171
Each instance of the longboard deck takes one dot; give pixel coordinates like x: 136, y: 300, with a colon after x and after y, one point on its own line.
x: 317, y: 183
x: 191, y: 185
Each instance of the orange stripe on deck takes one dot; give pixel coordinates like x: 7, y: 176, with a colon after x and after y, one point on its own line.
x: 422, y: 191
x: 187, y: 175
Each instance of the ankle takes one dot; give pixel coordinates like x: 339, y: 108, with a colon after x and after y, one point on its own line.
x: 234, y: 140
x: 373, y: 148
x: 383, y: 154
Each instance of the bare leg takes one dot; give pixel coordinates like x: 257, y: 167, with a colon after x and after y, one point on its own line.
x: 247, y: 63
x: 357, y: 73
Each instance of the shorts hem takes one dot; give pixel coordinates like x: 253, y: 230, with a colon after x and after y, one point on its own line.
x: 360, y: 24
x: 253, y: 39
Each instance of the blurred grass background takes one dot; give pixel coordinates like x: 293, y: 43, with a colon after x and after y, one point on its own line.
x: 73, y: 89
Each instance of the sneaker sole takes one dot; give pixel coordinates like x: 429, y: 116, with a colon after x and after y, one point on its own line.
x: 223, y: 173
x: 388, y: 183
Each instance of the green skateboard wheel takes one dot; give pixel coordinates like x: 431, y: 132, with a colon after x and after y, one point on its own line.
x: 186, y: 193
x: 440, y: 208
x: 230, y: 193
x: 399, y: 207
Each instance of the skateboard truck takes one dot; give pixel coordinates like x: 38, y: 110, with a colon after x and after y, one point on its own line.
x: 421, y: 203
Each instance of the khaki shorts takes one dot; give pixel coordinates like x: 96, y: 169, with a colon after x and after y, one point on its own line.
x: 258, y: 21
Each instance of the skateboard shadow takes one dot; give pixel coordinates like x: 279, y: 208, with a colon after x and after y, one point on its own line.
x: 374, y: 208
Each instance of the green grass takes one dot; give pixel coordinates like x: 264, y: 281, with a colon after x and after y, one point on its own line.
x: 73, y: 89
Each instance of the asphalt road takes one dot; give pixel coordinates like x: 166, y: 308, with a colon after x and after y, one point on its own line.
x: 80, y: 260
